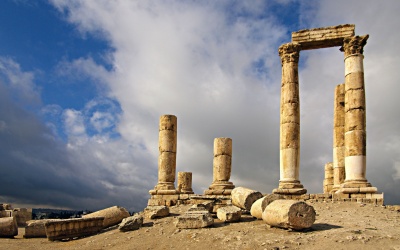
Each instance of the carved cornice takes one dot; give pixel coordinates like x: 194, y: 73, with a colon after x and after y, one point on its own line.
x: 354, y: 45
x: 289, y: 52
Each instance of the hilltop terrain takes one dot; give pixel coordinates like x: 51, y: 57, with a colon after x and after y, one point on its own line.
x: 338, y: 225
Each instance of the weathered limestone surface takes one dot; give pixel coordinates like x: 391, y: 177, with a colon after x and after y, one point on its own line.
x: 36, y: 228
x: 8, y: 227
x: 22, y: 215
x: 185, y: 183
x: 259, y: 205
x: 167, y: 144
x: 112, y: 215
x: 194, y: 219
x: 328, y: 181
x: 292, y: 214
x: 131, y: 223
x: 339, y: 173
x: 323, y: 37
x: 72, y: 228
x: 222, y: 167
x: 244, y: 197
x: 355, y: 132
x: 152, y: 212
x: 289, y: 121
x: 229, y: 213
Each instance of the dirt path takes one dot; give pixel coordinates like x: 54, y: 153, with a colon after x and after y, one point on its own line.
x: 338, y: 226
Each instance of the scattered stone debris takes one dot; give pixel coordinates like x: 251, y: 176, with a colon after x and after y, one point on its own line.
x: 194, y: 219
x: 131, y: 223
x: 229, y: 213
x: 152, y: 212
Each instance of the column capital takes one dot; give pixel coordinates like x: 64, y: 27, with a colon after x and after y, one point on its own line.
x: 289, y: 52
x: 354, y: 45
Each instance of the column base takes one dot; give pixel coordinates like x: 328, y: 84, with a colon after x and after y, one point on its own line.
x: 164, y: 188
x: 357, y: 186
x: 186, y: 191
x: 220, y: 188
x: 290, y: 191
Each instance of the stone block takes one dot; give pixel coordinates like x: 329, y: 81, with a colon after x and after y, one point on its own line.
x: 229, y: 213
x: 73, y: 228
x: 355, y: 142
x: 8, y: 227
x: 36, y: 228
x: 194, y: 220
x: 152, y: 212
x: 167, y: 141
x: 131, y: 223
x: 377, y: 196
x: 168, y: 122
x: 370, y: 190
x: 222, y: 146
x: 112, y: 215
x: 362, y: 196
x: 355, y: 80
x: 354, y: 99
x: 22, y: 215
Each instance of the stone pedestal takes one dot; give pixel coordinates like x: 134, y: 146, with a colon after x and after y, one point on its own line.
x: 167, y: 156
x: 222, y: 166
x: 289, y: 122
x: 355, y: 132
x: 338, y: 138
x: 185, y: 183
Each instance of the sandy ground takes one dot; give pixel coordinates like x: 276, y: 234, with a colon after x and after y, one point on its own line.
x: 338, y: 226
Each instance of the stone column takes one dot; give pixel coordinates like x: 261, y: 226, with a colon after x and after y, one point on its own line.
x: 222, y: 166
x: 185, y: 183
x: 167, y: 156
x: 290, y: 122
x: 355, y: 133
x: 338, y: 138
x: 328, y: 181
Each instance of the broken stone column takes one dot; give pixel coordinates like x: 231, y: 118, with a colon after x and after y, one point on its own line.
x: 355, y: 132
x: 167, y: 143
x: 222, y: 166
x: 328, y: 181
x: 289, y: 122
x: 244, y: 197
x: 259, y: 205
x: 292, y: 214
x: 339, y: 173
x: 112, y: 215
x: 185, y: 183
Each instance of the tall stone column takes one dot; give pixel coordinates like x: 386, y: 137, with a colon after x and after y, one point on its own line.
x: 355, y: 132
x: 338, y: 138
x: 167, y: 156
x: 290, y: 122
x: 222, y: 166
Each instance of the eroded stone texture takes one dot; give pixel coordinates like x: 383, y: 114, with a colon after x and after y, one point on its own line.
x: 152, y: 212
x: 355, y: 133
x: 72, y: 228
x: 289, y: 121
x: 244, y: 197
x: 338, y: 138
x: 22, y: 215
x: 167, y: 144
x: 259, y: 205
x: 8, y: 227
x: 222, y: 167
x: 229, y: 213
x: 328, y: 181
x: 323, y: 37
x: 185, y: 183
x: 131, y: 223
x: 292, y: 214
x: 112, y: 215
x: 194, y: 219
x: 36, y: 228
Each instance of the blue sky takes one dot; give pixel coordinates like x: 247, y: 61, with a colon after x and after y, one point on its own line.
x: 83, y: 84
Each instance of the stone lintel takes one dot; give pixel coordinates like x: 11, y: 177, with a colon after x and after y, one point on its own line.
x: 323, y: 37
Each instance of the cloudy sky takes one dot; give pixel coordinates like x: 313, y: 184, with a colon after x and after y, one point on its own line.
x: 83, y: 84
